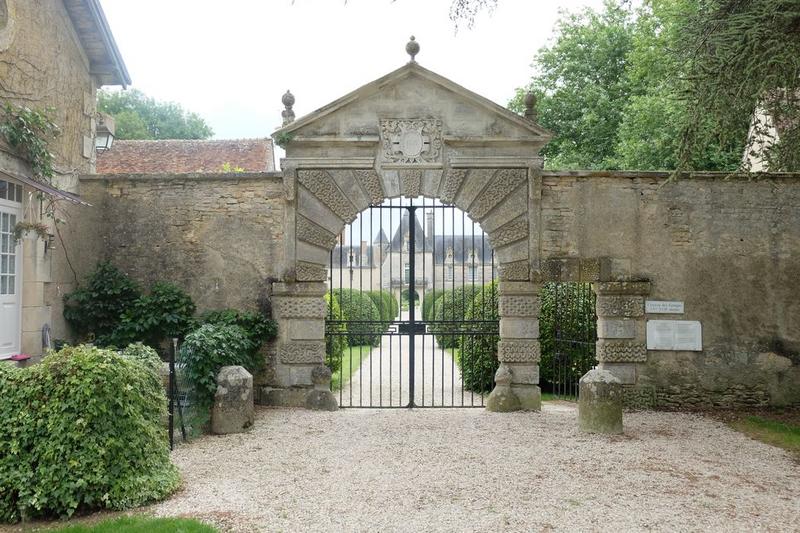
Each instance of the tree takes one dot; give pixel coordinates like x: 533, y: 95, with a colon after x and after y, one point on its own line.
x: 581, y: 87
x: 139, y: 116
x: 613, y: 90
x: 741, y: 55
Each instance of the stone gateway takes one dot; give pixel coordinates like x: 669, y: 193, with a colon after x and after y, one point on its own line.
x: 724, y: 248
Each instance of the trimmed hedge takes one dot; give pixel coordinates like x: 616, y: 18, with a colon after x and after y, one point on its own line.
x: 478, y: 357
x: 83, y: 430
x: 428, y: 299
x: 451, y: 305
x: 386, y: 303
x: 335, y: 345
x: 358, y: 306
x: 576, y: 319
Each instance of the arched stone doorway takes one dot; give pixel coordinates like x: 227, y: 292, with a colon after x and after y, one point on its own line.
x: 411, y: 133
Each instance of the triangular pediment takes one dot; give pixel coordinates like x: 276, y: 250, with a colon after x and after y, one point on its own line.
x: 413, y: 92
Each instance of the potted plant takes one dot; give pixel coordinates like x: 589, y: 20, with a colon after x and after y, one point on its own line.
x: 26, y: 230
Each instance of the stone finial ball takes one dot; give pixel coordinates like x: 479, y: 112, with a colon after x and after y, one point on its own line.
x: 412, y: 48
x: 530, y: 100
x: 288, y: 99
x: 321, y: 375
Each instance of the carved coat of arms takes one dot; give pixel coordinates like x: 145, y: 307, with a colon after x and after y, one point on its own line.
x: 411, y: 140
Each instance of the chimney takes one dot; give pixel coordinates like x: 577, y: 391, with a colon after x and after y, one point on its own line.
x: 429, y: 225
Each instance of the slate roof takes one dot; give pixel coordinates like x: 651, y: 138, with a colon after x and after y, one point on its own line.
x: 183, y: 156
x: 402, y: 229
x: 462, y: 246
x: 341, y: 256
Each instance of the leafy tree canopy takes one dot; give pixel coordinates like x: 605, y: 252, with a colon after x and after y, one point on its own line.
x: 139, y: 116
x: 669, y: 84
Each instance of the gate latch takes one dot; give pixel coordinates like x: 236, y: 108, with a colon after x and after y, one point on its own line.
x: 408, y: 328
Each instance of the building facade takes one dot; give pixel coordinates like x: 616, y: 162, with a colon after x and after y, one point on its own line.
x: 54, y: 55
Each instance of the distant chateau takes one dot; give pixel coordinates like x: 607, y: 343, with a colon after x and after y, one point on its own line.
x: 441, y: 261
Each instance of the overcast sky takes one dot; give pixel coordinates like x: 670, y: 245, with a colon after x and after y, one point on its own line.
x: 231, y: 61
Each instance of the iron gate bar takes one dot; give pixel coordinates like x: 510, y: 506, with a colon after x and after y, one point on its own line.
x: 413, y: 327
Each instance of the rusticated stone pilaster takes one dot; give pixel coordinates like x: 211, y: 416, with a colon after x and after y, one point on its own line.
x: 621, y: 328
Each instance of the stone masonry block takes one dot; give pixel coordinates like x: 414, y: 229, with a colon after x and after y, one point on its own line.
x: 519, y: 328
x: 233, y: 410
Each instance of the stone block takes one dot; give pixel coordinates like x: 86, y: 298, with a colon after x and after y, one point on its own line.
x: 321, y: 398
x: 600, y: 403
x: 625, y: 372
x: 529, y: 396
x: 33, y: 318
x: 616, y: 329
x: 519, y: 328
x: 311, y: 329
x: 502, y: 399
x: 289, y: 397
x: 524, y: 373
x: 233, y: 410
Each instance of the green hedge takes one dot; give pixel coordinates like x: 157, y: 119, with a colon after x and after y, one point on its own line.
x: 357, y: 306
x: 428, y: 299
x: 386, y: 303
x: 478, y: 355
x: 258, y: 328
x: 576, y: 319
x: 335, y: 345
x: 451, y: 305
x: 83, y: 430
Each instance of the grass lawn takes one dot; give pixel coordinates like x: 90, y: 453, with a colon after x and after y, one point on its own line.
x: 783, y: 433
x: 351, y: 361
x: 140, y: 524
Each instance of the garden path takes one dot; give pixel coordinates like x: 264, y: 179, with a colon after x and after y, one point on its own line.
x: 382, y: 379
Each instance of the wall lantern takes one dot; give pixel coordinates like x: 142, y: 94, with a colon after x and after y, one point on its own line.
x: 104, y: 136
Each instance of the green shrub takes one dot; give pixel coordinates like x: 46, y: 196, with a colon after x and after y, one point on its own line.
x: 209, y: 348
x: 164, y: 313
x: 577, y: 317
x: 94, y: 309
x: 143, y: 353
x: 428, y: 299
x: 386, y: 303
x: 358, y: 306
x: 478, y: 356
x: 258, y: 328
x: 81, y: 431
x: 335, y: 345
x: 451, y: 305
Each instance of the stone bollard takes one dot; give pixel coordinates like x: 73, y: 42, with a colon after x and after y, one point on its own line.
x: 321, y: 398
x: 233, y: 410
x: 600, y: 403
x: 502, y: 399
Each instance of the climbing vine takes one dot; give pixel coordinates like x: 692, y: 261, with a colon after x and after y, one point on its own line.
x: 29, y: 131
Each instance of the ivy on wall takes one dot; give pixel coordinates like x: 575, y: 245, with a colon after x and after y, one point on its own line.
x: 29, y: 132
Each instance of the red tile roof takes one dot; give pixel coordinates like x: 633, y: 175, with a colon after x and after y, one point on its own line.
x: 182, y: 156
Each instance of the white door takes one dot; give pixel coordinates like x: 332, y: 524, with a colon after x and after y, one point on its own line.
x: 10, y: 282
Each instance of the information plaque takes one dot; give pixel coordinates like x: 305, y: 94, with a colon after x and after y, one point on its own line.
x: 676, y: 335
x: 663, y: 307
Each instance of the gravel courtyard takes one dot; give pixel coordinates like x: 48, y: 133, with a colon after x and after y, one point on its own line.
x: 471, y: 470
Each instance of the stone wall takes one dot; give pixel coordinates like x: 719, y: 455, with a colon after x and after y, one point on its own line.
x: 728, y: 248
x: 218, y: 236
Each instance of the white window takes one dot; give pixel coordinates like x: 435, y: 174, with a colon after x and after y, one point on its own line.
x: 407, y: 272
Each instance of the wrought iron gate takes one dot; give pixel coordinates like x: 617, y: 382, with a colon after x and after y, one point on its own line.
x: 569, y: 334
x: 412, y: 308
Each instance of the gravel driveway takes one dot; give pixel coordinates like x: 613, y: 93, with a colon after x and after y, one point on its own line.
x: 471, y: 470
